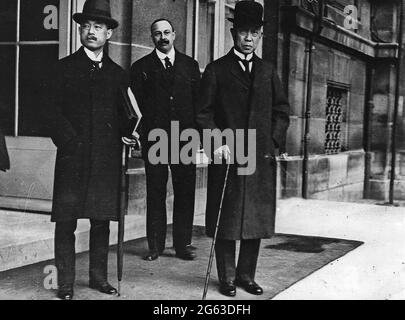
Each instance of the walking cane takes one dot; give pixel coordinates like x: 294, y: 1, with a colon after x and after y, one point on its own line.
x: 214, y: 240
x: 123, y: 212
x: 129, y: 147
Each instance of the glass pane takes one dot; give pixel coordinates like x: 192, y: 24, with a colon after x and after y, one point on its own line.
x: 39, y: 20
x: 206, y: 29
x: 34, y: 62
x: 8, y: 20
x: 7, y: 89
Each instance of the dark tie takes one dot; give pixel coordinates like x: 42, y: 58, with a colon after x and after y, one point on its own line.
x: 96, y: 65
x: 246, y: 64
x: 168, y: 64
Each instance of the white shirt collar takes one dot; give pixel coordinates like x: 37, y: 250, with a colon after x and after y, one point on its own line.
x: 242, y: 56
x: 162, y: 56
x: 92, y: 55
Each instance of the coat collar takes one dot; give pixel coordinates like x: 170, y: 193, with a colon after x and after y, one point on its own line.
x: 237, y: 71
x: 157, y: 63
x: 85, y: 61
x: 171, y: 55
x: 180, y: 72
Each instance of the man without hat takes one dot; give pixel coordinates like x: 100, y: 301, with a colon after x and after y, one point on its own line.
x: 86, y: 122
x: 166, y: 84
x: 241, y: 91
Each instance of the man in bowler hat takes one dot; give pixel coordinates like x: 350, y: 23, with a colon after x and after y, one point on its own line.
x: 241, y: 91
x: 166, y: 84
x: 86, y: 122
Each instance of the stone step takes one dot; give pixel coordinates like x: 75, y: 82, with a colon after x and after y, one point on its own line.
x: 28, y: 238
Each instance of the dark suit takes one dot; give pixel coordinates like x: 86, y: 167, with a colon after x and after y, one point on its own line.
x: 165, y: 96
x: 85, y: 120
x: 230, y: 99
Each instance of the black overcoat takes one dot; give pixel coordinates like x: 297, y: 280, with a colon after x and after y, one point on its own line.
x: 161, y: 100
x: 84, y: 116
x: 229, y: 100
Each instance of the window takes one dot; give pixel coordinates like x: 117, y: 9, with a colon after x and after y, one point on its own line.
x: 335, y: 119
x: 205, y: 29
x: 29, y: 42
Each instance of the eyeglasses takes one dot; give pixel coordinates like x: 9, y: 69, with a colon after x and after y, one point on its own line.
x: 87, y: 27
x: 161, y: 34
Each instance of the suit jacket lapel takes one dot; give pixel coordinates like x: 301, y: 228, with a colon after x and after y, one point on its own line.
x: 157, y: 70
x: 157, y: 65
x: 180, y: 73
x: 259, y: 72
x: 260, y: 75
x: 237, y: 71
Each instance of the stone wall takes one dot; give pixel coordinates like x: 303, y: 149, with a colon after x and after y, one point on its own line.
x: 331, y: 177
x: 334, y: 177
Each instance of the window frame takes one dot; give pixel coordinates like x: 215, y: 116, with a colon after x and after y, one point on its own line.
x: 63, y: 43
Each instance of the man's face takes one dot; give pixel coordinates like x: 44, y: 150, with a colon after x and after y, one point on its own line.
x: 94, y: 34
x: 246, y: 39
x: 163, y: 36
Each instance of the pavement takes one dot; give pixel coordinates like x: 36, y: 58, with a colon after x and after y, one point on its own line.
x: 373, y: 271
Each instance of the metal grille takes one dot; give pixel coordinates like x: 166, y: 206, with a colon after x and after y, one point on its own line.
x: 334, y: 119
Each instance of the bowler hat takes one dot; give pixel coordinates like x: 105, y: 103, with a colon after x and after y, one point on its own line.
x: 98, y: 10
x: 248, y: 13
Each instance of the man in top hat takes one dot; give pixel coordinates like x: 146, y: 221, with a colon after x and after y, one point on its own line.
x: 241, y: 91
x: 166, y: 84
x: 86, y: 122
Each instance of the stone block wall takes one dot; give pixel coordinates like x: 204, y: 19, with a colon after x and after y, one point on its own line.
x: 331, y: 177
x: 330, y: 66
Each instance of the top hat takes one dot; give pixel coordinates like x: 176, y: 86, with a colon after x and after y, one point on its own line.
x: 248, y: 13
x: 98, y: 10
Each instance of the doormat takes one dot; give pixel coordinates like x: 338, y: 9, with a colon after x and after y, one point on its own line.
x: 284, y: 260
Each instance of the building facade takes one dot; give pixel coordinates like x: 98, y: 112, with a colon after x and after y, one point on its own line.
x: 343, y: 105
x: 350, y: 89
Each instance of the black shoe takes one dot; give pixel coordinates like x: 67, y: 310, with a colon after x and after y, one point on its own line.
x: 65, y: 293
x: 227, y: 288
x: 103, y: 287
x: 250, y: 286
x: 185, y: 253
x: 151, y: 256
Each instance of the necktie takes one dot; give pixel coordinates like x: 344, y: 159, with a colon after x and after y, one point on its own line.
x: 96, y: 65
x: 246, y: 64
x: 168, y: 64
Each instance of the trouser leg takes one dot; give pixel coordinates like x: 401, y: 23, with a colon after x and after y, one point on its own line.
x: 156, y: 216
x: 99, y: 245
x: 247, y: 262
x: 65, y: 254
x: 225, y: 259
x: 183, y: 178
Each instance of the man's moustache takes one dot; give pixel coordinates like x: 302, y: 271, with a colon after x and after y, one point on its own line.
x: 92, y: 38
x: 163, y: 42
